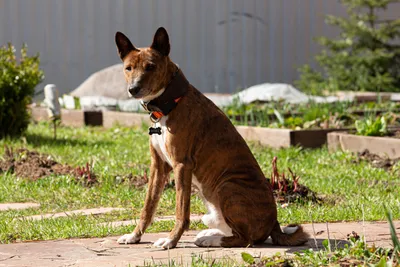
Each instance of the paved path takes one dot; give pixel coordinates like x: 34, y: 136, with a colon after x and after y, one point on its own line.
x: 106, y: 252
x: 18, y: 206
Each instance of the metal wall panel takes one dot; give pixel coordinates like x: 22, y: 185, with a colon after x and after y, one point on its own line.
x: 221, y: 45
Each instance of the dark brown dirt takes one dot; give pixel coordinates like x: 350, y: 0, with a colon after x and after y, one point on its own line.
x: 376, y: 160
x: 31, y: 164
x: 290, y: 190
x: 137, y: 181
x: 140, y: 181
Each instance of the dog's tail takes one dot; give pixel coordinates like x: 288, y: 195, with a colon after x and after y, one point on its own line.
x: 292, y: 235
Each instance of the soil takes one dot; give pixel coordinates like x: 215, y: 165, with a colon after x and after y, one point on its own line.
x: 289, y: 190
x: 137, y: 181
x: 31, y: 164
x: 395, y: 134
x: 301, y: 194
x: 376, y: 160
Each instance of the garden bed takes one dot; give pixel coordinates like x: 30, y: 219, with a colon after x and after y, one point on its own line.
x: 273, y: 137
x: 278, y: 138
x: 74, y: 118
x: 382, y: 146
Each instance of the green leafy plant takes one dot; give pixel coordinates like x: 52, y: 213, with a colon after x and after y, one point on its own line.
x: 18, y: 79
x: 364, y: 57
x: 246, y: 257
x: 372, y: 126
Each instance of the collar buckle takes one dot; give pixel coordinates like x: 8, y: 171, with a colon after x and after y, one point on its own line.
x: 144, y: 105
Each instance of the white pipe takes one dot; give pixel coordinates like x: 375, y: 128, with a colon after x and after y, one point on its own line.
x: 51, y: 101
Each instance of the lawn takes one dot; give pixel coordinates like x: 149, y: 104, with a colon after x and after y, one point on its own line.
x: 351, y: 191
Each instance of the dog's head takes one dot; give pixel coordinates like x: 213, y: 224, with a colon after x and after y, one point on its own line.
x: 147, y: 70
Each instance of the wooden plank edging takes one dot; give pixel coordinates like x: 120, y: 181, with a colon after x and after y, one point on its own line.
x: 382, y: 146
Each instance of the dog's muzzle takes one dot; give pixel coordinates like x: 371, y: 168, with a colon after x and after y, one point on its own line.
x: 134, y: 90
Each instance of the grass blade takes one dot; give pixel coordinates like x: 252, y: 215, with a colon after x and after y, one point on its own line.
x: 395, y: 240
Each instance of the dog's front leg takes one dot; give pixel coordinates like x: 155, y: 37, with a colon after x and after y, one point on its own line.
x: 183, y: 182
x: 159, y: 171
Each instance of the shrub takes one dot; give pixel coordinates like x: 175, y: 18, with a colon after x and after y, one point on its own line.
x: 364, y: 57
x: 18, y: 79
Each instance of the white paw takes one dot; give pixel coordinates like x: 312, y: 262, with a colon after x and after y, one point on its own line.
x: 128, y: 239
x: 208, y: 241
x: 164, y: 243
x: 210, y: 232
x: 290, y: 229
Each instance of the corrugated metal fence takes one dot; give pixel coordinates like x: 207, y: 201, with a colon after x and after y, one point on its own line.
x: 221, y: 45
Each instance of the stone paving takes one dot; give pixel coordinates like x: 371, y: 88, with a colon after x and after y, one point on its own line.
x: 18, y: 206
x: 83, y: 212
x: 106, y: 252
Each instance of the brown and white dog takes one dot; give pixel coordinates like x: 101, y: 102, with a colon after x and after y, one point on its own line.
x: 193, y: 138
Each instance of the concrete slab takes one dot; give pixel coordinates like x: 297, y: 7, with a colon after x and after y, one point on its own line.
x: 18, y: 206
x: 106, y: 251
x: 94, y: 211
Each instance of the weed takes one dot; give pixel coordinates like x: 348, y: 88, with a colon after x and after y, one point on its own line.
x: 372, y: 126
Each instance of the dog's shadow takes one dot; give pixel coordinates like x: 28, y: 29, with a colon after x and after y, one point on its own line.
x: 314, y: 244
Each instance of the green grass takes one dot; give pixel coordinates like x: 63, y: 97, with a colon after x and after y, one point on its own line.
x: 348, y: 188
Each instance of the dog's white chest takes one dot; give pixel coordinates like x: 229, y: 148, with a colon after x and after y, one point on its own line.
x: 158, y: 141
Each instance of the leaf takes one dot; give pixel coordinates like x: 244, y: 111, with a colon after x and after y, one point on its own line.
x: 279, y: 116
x: 326, y: 244
x: 395, y: 240
x: 382, y: 263
x: 247, y: 258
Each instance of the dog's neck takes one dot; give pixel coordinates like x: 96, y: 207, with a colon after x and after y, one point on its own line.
x: 168, y: 100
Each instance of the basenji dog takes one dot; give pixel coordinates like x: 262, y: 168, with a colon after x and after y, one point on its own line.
x: 193, y: 138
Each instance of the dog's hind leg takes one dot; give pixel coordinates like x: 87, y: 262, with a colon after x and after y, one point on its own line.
x: 249, y: 216
x: 215, y: 221
x: 159, y: 171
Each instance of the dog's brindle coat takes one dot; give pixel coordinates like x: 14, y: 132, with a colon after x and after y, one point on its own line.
x: 202, y: 147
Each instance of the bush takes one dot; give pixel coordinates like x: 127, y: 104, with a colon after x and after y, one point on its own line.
x: 364, y: 57
x: 18, y: 79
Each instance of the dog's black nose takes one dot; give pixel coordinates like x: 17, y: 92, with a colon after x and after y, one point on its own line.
x: 134, y: 90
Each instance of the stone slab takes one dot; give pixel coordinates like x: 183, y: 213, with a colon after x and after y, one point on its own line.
x: 106, y: 252
x: 95, y: 211
x: 18, y: 206
x: 156, y: 219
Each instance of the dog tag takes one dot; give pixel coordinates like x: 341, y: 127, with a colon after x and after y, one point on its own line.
x: 156, y: 130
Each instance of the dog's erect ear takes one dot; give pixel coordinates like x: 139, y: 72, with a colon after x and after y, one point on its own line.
x: 123, y: 44
x: 161, y: 42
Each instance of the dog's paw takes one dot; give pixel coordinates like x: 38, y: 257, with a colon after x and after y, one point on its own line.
x: 165, y: 243
x: 208, y: 241
x: 209, y: 232
x: 128, y: 239
x: 290, y: 229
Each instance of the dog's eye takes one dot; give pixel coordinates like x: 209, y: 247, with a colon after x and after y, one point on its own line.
x: 128, y: 68
x: 149, y: 67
